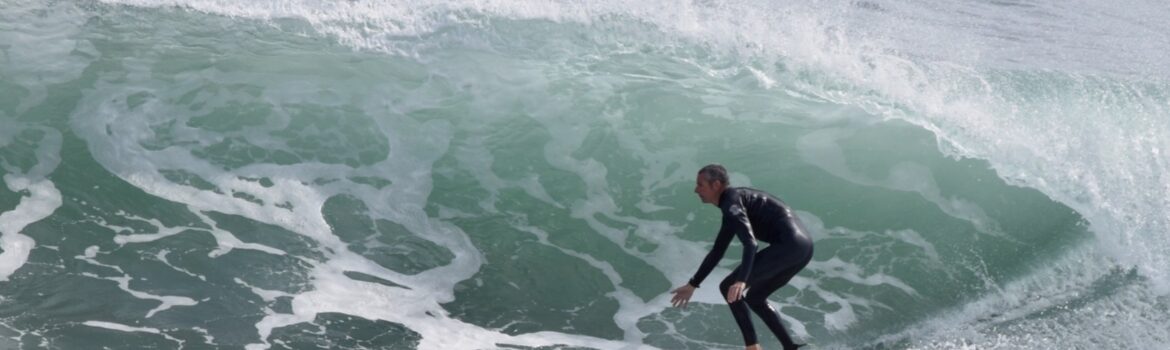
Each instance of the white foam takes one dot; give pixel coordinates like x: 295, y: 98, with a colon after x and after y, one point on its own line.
x: 293, y: 201
x: 163, y: 231
x: 1087, y: 140
x: 225, y: 241
x: 165, y: 302
x: 420, y: 311
x: 162, y: 256
x: 766, y: 82
x: 907, y: 236
x: 207, y: 337
x: 865, y: 271
x: 42, y: 200
x: 837, y: 268
x: 1041, y: 309
x: 121, y: 327
x: 130, y: 329
x: 631, y: 308
x: 267, y: 295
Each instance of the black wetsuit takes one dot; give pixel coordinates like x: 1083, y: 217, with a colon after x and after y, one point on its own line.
x: 754, y: 215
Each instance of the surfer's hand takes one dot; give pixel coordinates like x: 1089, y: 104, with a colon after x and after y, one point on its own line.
x: 735, y: 292
x: 682, y: 295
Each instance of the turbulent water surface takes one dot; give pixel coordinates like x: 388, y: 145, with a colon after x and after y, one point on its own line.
x: 371, y: 174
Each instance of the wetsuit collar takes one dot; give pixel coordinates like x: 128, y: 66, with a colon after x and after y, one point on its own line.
x: 723, y: 196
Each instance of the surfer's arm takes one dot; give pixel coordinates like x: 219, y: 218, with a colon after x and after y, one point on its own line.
x: 735, y: 219
x: 713, y: 257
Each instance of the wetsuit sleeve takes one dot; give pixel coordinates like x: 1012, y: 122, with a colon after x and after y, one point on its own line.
x: 735, y: 219
x: 713, y: 257
x: 735, y: 223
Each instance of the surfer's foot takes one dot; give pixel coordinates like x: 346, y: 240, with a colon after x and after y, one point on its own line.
x: 794, y: 346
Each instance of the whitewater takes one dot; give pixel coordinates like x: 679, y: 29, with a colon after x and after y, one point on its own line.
x: 503, y: 174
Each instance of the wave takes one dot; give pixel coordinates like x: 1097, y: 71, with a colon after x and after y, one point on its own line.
x: 1090, y: 137
x: 483, y: 135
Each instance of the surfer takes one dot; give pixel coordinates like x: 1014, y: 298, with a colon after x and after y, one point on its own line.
x: 751, y: 215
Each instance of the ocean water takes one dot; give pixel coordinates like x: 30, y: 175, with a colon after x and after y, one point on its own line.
x: 503, y: 174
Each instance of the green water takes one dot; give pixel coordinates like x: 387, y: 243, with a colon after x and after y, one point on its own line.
x: 506, y: 181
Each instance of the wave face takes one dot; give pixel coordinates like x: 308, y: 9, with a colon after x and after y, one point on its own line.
x: 518, y: 174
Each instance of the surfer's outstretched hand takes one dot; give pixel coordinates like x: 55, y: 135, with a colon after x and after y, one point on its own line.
x: 682, y: 295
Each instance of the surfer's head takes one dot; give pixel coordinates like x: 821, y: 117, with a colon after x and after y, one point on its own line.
x: 710, y: 183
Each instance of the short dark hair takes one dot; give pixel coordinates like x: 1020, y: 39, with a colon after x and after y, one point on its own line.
x: 715, y: 172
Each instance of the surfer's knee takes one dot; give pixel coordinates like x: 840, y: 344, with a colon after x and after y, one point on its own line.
x: 725, y: 286
x: 758, y: 303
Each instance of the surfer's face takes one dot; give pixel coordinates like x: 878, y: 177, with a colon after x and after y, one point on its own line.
x: 708, y: 191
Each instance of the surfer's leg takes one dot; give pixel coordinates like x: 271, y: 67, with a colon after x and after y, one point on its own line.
x: 739, y: 310
x: 781, y: 267
x: 757, y: 300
